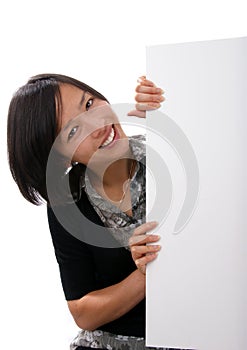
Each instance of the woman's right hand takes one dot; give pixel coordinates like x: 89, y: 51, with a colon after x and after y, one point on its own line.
x: 148, y: 97
x: 142, y: 252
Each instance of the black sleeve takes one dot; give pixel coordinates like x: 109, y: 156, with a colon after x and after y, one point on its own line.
x: 75, y: 261
x: 85, y: 268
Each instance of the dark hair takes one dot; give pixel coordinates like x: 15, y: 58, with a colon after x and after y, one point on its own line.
x: 32, y: 128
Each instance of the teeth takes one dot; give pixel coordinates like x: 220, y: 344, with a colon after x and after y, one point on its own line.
x: 109, y: 140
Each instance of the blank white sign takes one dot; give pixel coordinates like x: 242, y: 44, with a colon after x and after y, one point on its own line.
x: 197, y: 287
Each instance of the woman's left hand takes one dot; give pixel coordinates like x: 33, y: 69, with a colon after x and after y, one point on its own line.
x: 148, y: 97
x: 141, y: 250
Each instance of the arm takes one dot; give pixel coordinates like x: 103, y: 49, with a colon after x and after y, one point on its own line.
x: 105, y: 305
x: 90, y: 306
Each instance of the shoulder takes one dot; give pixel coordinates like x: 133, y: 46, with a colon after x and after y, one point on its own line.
x: 138, y: 146
x: 141, y: 138
x: 61, y: 238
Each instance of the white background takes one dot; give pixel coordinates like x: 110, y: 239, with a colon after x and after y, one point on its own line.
x: 102, y: 43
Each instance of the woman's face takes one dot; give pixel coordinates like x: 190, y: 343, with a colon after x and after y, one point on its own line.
x: 85, y: 134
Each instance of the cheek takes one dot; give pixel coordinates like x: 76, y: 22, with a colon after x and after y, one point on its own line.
x: 80, y: 154
x: 98, y: 103
x: 120, y: 130
x: 83, y: 152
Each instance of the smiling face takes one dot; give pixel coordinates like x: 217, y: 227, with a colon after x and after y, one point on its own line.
x: 88, y: 126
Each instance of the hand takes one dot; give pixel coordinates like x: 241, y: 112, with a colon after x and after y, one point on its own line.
x: 148, y: 97
x: 140, y: 251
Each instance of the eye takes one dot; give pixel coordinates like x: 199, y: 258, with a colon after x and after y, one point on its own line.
x: 89, y: 103
x: 72, y: 132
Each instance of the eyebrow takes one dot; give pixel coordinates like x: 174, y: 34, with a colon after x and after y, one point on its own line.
x: 82, y: 99
x: 79, y: 105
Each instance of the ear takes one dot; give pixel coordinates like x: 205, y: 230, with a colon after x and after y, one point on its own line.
x: 77, y: 180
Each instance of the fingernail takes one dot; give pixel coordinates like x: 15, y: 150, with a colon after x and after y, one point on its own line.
x: 140, y: 79
x: 155, y: 237
x: 152, y: 224
x: 160, y: 91
x: 154, y: 105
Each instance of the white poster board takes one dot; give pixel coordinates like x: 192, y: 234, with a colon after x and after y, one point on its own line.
x: 197, y: 287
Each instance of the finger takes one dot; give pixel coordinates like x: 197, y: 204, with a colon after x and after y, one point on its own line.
x: 140, y: 97
x: 143, y: 239
x: 146, y: 227
x: 136, y: 113
x: 149, y: 89
x: 145, y: 249
x: 147, y: 106
x: 142, y: 262
x: 142, y: 80
x: 143, y: 77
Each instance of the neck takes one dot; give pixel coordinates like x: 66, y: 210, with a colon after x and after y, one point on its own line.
x: 114, y: 184
x: 115, y: 175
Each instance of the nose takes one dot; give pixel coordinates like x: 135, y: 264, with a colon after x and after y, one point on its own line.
x: 99, y: 132
x: 97, y: 121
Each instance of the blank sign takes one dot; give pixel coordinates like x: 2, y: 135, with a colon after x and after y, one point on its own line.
x: 197, y: 287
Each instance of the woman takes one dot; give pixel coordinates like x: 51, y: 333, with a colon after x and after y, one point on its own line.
x: 104, y: 287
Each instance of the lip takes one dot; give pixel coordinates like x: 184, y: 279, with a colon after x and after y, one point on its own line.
x: 107, y: 133
x: 116, y: 137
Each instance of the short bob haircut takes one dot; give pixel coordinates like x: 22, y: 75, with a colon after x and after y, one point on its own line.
x: 33, y: 117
